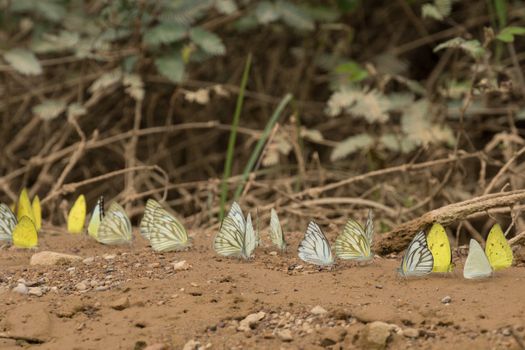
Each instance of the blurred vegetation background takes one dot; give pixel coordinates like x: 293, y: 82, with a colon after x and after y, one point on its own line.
x: 401, y: 106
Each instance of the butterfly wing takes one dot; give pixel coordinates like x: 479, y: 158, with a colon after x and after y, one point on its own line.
x: 77, y: 215
x: 477, y: 265
x: 25, y: 234
x: 115, y: 227
x: 24, y: 206
x: 498, y: 249
x: 7, y: 223
x: 229, y: 241
x: 96, y: 218
x: 314, y: 248
x: 354, y: 241
x: 276, y: 231
x: 251, y: 241
x: 165, y: 232
x: 147, y: 220
x: 439, y: 245
x: 37, y: 212
x: 418, y: 260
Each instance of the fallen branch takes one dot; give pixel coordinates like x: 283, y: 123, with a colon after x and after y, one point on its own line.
x: 397, y: 239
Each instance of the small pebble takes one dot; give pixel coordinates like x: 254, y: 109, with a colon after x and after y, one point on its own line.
x: 21, y: 289
x: 446, y: 300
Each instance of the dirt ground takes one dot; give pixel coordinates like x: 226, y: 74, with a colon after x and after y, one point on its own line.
x: 132, y: 298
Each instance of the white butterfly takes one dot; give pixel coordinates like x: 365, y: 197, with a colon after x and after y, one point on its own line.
x: 164, y: 231
x: 236, y: 236
x: 355, y: 241
x: 96, y: 217
x: 7, y: 223
x: 418, y: 259
x: 477, y: 264
x: 276, y: 231
x: 115, y: 227
x: 314, y: 248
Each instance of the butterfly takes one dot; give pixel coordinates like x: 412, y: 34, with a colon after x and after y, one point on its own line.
x: 77, y: 215
x: 25, y: 207
x: 498, y: 249
x: 96, y: 217
x: 314, y: 248
x: 25, y: 234
x: 37, y: 212
x: 418, y: 260
x: 355, y: 241
x: 164, y: 231
x: 477, y: 264
x: 115, y: 227
x: 276, y: 231
x: 439, y: 245
x: 7, y: 223
x: 236, y: 236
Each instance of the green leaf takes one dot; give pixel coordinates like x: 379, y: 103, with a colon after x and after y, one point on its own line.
x: 508, y: 33
x: 23, y: 61
x: 164, y: 33
x: 266, y: 12
x: 226, y: 7
x: 49, y: 109
x: 105, y: 81
x: 171, y: 67
x: 294, y: 16
x: 397, y: 143
x: 351, y: 145
x: 472, y: 47
x: 48, y: 43
x: 207, y: 41
x: 431, y: 11
x: 352, y: 71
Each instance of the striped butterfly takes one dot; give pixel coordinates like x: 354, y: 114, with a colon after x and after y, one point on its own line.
x: 276, y: 231
x: 115, y: 227
x: 236, y: 236
x: 314, y: 248
x: 355, y: 241
x: 7, y: 223
x: 418, y: 260
x: 96, y: 218
x: 164, y: 231
x: 477, y: 264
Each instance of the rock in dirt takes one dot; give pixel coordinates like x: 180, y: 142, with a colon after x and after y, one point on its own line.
x: 21, y: 289
x: 446, y: 300
x: 88, y: 260
x: 192, y: 345
x: 52, y: 258
x: 180, y: 265
x: 81, y: 286
x: 250, y: 321
x: 332, y: 336
x: 28, y: 321
x: 375, y: 335
x: 411, y: 333
x: 158, y: 346
x: 285, y: 335
x: 120, y: 304
x: 36, y: 291
x: 318, y: 310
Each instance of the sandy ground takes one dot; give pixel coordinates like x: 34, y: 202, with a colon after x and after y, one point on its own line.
x: 131, y: 298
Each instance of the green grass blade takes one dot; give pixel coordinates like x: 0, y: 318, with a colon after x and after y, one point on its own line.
x: 260, y: 144
x: 233, y: 137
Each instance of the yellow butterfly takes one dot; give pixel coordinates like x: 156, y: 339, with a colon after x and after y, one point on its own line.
x: 77, y: 215
x: 498, y: 249
x: 439, y: 245
x: 37, y: 212
x: 24, y: 206
x: 24, y: 234
x: 96, y: 217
